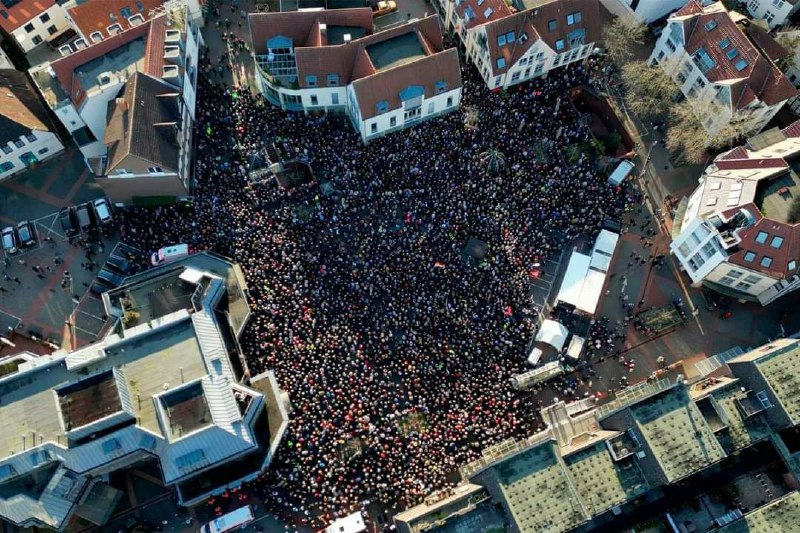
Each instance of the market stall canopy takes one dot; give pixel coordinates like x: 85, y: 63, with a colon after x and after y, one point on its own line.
x: 552, y: 333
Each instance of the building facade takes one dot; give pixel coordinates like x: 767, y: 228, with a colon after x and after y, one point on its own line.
x: 331, y: 61
x: 731, y: 83
x: 644, y: 11
x: 31, y: 23
x: 736, y: 233
x: 84, y: 87
x: 774, y: 12
x: 166, y: 384
x: 512, y: 44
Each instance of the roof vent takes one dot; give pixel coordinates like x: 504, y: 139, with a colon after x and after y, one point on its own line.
x: 172, y: 36
x: 348, y: 37
x: 104, y: 78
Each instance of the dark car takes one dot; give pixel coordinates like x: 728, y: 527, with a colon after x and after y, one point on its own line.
x: 123, y: 266
x: 85, y: 213
x: 26, y: 234
x: 110, y: 278
x: 69, y: 221
x: 99, y: 288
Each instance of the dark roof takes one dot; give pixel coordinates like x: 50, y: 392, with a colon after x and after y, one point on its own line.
x: 753, y: 74
x: 95, y: 15
x: 143, y: 122
x: 765, y: 42
x: 426, y: 72
x: 303, y: 27
x: 21, y: 111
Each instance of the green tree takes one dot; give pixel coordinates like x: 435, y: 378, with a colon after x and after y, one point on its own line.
x: 494, y: 160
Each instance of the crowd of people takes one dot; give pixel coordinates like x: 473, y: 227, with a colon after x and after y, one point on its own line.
x: 395, y: 347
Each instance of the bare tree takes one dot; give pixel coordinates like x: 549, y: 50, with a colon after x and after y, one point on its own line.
x: 621, y: 39
x: 688, y: 138
x: 789, y: 39
x: 649, y: 89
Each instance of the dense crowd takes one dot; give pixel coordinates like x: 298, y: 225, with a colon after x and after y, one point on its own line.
x: 395, y: 349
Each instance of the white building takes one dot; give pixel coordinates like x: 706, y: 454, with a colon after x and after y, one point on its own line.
x: 167, y: 384
x: 774, y: 12
x: 508, y: 46
x: 738, y: 234
x: 30, y: 23
x: 644, y: 11
x: 722, y: 73
x: 27, y: 135
x: 81, y: 86
x: 331, y: 61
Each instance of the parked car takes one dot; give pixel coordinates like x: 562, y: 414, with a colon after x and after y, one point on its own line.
x: 110, y: 278
x: 99, y: 288
x: 9, y: 237
x: 26, y: 234
x: 102, y: 210
x: 85, y: 214
x: 384, y: 7
x: 123, y: 266
x: 69, y: 221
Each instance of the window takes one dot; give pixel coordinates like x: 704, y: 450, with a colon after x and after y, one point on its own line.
x: 725, y: 280
x: 139, y: 6
x: 724, y: 43
x: 735, y: 274
x: 96, y: 37
x: 52, y: 29
x: 335, y: 99
x: 6, y: 166
x: 766, y: 261
x: 777, y: 3
x: 792, y: 265
x: 740, y: 65
x: 501, y: 62
x: 769, y: 17
x: 776, y: 242
x: 31, y: 137
x: 37, y: 39
x: 559, y: 45
x: 155, y: 170
x: 703, y: 60
x: 314, y: 100
x: 441, y: 86
x: 45, y: 17
x: 749, y: 256
x: 501, y: 40
x: 576, y: 38
x: 393, y: 122
x: 18, y: 143
x: 488, y: 12
x: 122, y: 171
x: 671, y: 45
x: 761, y: 237
x: 4, y: 13
x: 515, y: 77
x: 373, y: 128
x: 126, y: 12
x: 573, y: 18
x: 449, y: 101
x: 311, y: 81
x: 382, y: 106
x: 552, y: 25
x: 29, y: 27
x: 710, y: 25
x: 431, y: 108
x: 110, y: 445
x: 510, y: 37
x: 732, y: 53
x: 43, y: 151
x: 333, y: 80
x: 742, y: 286
x: 764, y: 399
x: 752, y: 279
x: 7, y: 149
x: 684, y: 250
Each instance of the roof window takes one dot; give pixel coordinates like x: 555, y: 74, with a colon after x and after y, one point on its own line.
x: 510, y: 37
x: 724, y: 43
x: 552, y: 25
x: 111, y: 445
x: 382, y: 106
x: 501, y: 62
x: 710, y: 25
x: 740, y: 65
x: 749, y: 256
x: 776, y: 241
x: 573, y: 18
x: 501, y: 40
x: 792, y: 265
x: 766, y: 262
x: 488, y: 12
x: 761, y: 237
x: 732, y: 53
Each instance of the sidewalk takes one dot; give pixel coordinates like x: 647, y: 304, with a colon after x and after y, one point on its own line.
x: 240, y: 69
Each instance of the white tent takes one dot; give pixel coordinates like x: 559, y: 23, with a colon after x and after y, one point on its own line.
x: 572, y: 284
x: 585, y: 277
x: 552, y: 333
x: 353, y: 523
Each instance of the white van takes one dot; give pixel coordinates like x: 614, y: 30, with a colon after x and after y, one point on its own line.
x: 232, y: 521
x: 167, y: 254
x: 622, y: 171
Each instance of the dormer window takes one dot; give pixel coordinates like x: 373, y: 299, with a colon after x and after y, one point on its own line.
x: 382, y: 106
x: 136, y: 19
x: 311, y: 81
x: 710, y: 25
x: 114, y: 29
x: 441, y: 86
x: 96, y: 37
x: 573, y: 18
x: 501, y: 62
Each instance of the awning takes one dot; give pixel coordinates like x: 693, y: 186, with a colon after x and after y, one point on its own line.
x: 552, y: 333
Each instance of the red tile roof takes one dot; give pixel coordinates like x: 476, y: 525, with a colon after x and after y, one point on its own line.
x: 21, y: 13
x: 756, y: 78
x: 64, y: 67
x: 498, y: 8
x: 742, y: 164
x: 792, y: 130
x: 518, y: 24
x: 154, y: 51
x: 740, y: 152
x: 298, y: 25
x: 95, y: 15
x: 558, y: 10
x: 426, y: 72
x: 789, y: 250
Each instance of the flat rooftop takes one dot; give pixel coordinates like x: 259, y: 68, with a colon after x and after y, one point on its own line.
x: 88, y: 400
x: 775, y: 197
x: 396, y: 51
x: 186, y: 409
x: 126, y: 59
x: 154, y: 298
x: 780, y: 515
x: 781, y: 369
x: 602, y: 483
x: 741, y: 432
x: 538, y: 491
x: 336, y: 33
x: 677, y: 433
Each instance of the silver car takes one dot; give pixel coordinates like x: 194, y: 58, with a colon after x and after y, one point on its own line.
x: 9, y: 240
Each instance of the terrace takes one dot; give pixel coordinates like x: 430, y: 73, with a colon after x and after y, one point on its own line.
x: 396, y: 51
x: 336, y: 34
x: 153, y: 299
x: 186, y: 410
x: 119, y: 63
x: 89, y: 400
x: 775, y: 197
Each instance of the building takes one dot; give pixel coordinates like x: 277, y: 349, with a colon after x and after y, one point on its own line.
x: 738, y: 232
x: 733, y: 86
x: 331, y: 61
x: 94, y: 21
x: 91, y: 90
x: 594, y: 464
x: 26, y: 132
x: 166, y: 383
x: 643, y: 11
x: 30, y: 23
x: 773, y: 12
x: 510, y: 44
